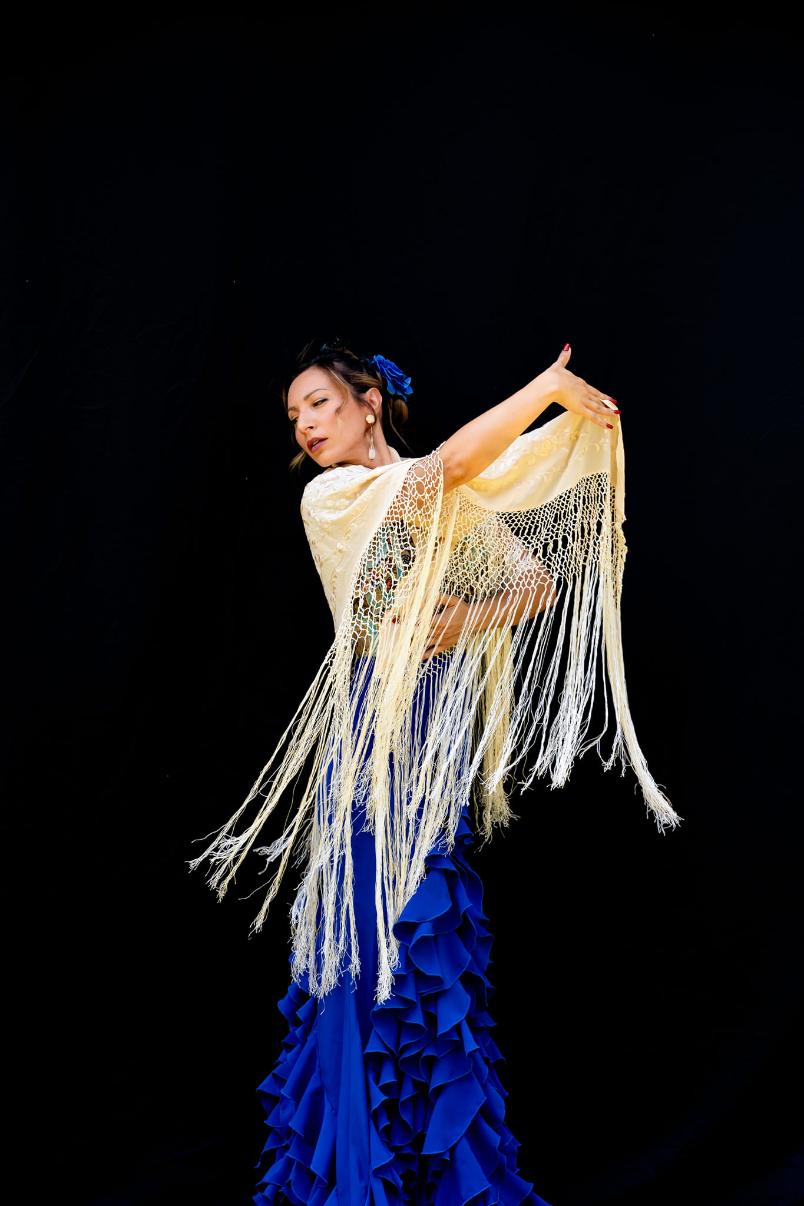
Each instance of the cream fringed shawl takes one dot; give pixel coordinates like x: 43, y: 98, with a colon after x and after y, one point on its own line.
x: 534, y: 546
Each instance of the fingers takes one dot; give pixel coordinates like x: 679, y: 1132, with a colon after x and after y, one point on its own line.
x: 602, y: 404
x: 435, y: 638
x: 599, y: 414
x: 439, y: 635
x: 600, y: 407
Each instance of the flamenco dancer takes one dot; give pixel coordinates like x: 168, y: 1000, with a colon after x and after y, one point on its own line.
x: 475, y: 595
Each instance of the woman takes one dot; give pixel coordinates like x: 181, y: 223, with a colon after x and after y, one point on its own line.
x: 473, y: 592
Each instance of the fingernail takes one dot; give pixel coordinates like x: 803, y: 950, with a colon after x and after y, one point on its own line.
x: 565, y: 347
x: 609, y: 424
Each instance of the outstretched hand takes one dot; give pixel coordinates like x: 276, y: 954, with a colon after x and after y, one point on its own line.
x: 577, y: 395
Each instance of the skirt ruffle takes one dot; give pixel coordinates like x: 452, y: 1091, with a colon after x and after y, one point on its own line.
x: 401, y: 1099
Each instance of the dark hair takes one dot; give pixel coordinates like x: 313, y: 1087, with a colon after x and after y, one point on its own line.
x: 356, y: 374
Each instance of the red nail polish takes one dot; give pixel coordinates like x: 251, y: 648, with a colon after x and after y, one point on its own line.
x: 565, y: 348
x: 610, y: 425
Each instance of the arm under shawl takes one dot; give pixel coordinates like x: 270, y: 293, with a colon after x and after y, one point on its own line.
x: 514, y: 692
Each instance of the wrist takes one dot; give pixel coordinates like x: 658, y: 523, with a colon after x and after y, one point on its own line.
x: 548, y: 387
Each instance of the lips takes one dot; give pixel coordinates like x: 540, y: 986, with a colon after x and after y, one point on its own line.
x: 311, y: 447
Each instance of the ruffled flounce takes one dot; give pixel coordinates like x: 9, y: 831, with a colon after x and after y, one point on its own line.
x: 414, y: 1116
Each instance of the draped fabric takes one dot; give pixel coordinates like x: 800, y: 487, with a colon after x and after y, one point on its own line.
x: 534, y: 549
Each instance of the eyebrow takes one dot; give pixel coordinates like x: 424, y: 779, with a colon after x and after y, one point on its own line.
x: 306, y: 396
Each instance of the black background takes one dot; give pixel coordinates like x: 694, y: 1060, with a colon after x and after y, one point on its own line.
x: 187, y: 199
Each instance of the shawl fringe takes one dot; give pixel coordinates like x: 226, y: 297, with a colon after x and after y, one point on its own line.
x: 534, y: 549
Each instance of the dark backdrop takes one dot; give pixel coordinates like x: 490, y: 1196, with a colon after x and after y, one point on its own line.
x: 186, y: 201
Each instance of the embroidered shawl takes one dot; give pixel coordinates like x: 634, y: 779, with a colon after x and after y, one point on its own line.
x: 534, y: 547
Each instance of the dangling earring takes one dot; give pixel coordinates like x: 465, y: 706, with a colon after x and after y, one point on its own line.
x: 370, y: 419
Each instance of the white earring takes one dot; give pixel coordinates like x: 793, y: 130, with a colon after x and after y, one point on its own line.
x: 370, y: 419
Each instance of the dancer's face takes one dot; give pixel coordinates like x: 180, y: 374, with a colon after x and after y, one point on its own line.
x: 319, y: 409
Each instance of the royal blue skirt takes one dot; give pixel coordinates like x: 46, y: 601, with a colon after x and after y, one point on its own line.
x: 397, y: 1103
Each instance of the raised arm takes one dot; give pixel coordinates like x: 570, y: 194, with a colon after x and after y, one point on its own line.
x: 474, y: 446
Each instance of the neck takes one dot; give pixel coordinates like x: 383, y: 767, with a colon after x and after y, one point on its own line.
x: 383, y: 455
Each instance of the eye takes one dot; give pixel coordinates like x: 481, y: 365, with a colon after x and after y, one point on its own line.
x: 293, y: 421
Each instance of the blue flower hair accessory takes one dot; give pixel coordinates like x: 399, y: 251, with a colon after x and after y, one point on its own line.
x: 394, y: 379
